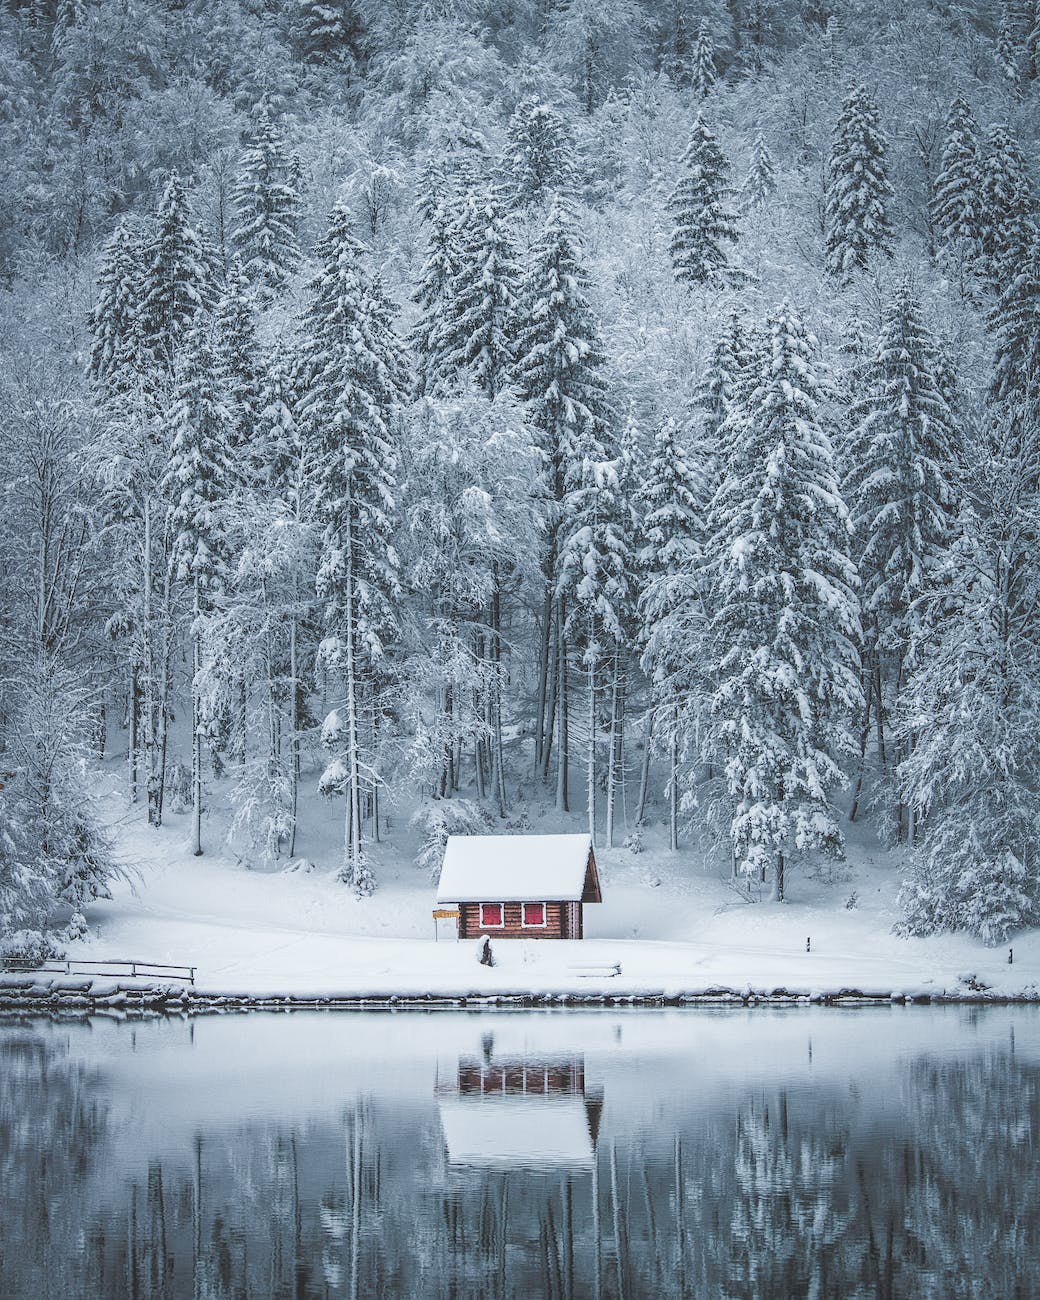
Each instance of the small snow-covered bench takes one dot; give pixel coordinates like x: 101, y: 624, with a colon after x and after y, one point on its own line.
x: 589, y: 970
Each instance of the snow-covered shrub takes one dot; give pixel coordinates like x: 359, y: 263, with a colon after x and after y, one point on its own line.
x: 263, y: 811
x: 966, y: 886
x: 436, y: 821
x: 33, y: 947
x: 53, y: 851
x: 634, y: 842
x: 178, y: 787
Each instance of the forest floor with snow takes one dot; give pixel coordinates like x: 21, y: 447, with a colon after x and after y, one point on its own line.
x: 673, y: 922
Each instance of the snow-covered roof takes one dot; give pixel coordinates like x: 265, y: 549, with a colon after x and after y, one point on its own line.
x: 514, y: 868
x: 511, y: 1131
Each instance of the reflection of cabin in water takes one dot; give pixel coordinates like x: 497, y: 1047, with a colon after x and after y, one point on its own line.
x: 519, y: 886
x: 512, y: 1111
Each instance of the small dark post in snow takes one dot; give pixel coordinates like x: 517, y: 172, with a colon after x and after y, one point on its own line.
x: 808, y: 944
x: 1011, y: 956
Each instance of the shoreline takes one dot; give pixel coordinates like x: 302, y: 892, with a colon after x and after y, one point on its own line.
x: 73, y: 997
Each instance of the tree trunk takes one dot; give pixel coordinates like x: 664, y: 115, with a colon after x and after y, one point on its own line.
x: 196, y: 726
x: 498, y: 774
x: 864, y: 736
x: 612, y: 754
x: 294, y: 725
x: 673, y: 780
x: 151, y: 720
x: 590, y: 753
x: 644, y: 775
x: 563, y: 739
x: 543, y: 723
x: 132, y: 741
x: 352, y: 837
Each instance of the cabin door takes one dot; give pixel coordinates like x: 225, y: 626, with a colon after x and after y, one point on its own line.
x: 574, y: 921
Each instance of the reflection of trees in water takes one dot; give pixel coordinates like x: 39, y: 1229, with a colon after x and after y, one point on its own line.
x: 973, y: 1179
x: 51, y: 1128
x: 929, y: 1189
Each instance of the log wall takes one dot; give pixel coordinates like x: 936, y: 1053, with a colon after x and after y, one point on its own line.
x: 556, y: 922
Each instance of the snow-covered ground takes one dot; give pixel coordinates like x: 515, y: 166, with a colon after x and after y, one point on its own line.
x: 671, y: 921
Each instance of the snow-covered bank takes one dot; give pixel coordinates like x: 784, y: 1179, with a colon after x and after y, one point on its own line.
x: 676, y: 929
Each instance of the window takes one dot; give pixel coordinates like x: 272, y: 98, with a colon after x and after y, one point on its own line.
x: 491, y: 916
x: 533, y: 915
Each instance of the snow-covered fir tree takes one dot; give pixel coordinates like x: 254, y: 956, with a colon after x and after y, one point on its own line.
x: 439, y: 211
x: 760, y: 183
x: 540, y: 153
x: 559, y: 374
x: 176, y: 284
x: 702, y: 223
x: 240, y: 368
x: 199, y: 479
x: 267, y: 206
x: 857, y: 220
x: 114, y: 364
x: 1007, y: 204
x: 671, y: 603
x: 350, y: 382
x: 957, y: 219
x: 330, y: 31
x: 971, y: 712
x: 475, y: 333
x: 594, y: 589
x: 901, y: 487
x: 1015, y: 318
x: 784, y: 619
x: 702, y: 71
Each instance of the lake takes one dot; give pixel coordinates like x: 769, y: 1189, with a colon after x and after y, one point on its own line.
x: 749, y: 1153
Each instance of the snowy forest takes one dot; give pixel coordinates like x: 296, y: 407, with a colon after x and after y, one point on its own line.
x: 631, y: 398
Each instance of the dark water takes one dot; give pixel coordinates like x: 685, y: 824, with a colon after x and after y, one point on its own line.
x: 746, y: 1154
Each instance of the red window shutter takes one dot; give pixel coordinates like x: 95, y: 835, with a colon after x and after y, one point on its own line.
x: 534, y: 914
x: 491, y: 914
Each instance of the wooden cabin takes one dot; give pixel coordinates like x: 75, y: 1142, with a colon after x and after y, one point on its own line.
x: 519, y: 886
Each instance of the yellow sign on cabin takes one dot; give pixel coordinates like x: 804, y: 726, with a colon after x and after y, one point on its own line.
x: 444, y: 914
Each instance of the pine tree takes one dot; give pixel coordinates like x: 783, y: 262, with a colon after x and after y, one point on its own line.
x: 973, y: 719
x: 114, y: 364
x: 330, y: 31
x: 858, y: 191
x: 350, y: 380
x: 702, y: 63
x: 594, y: 589
x: 474, y: 332
x: 732, y: 375
x: 1006, y: 47
x: 957, y: 219
x: 1007, y: 204
x: 1015, y: 319
x: 267, y: 206
x: 784, y: 618
x: 760, y: 183
x: 199, y: 484
x: 559, y: 374
x: 901, y: 492
x: 240, y: 369
x: 671, y: 603
x: 540, y: 153
x: 176, y: 285
x: 701, y: 221
x: 438, y: 209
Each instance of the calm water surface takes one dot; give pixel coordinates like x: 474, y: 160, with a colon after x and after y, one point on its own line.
x: 808, y: 1153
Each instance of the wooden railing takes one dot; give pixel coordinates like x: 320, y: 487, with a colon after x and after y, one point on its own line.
x: 74, y: 966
